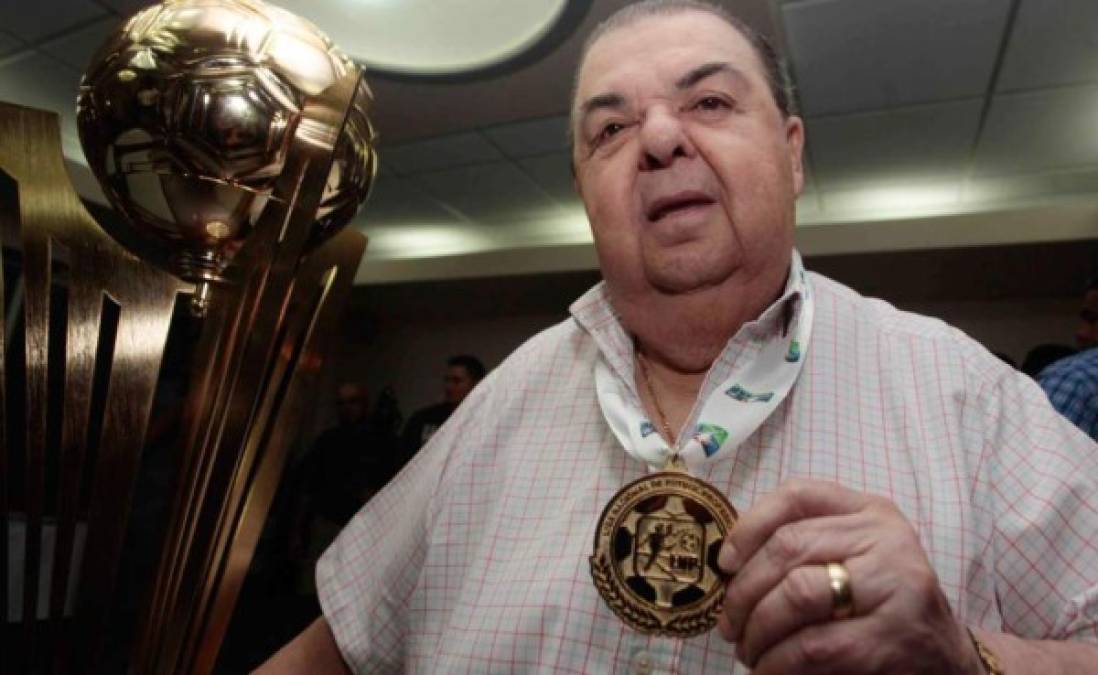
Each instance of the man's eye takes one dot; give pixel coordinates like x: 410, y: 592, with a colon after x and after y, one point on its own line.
x: 711, y: 103
x: 609, y: 131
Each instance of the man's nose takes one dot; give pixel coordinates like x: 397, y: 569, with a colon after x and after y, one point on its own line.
x: 663, y: 139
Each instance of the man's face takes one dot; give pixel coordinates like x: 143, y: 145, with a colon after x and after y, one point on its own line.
x: 687, y: 169
x: 457, y: 384
x: 350, y: 404
x: 1086, y: 336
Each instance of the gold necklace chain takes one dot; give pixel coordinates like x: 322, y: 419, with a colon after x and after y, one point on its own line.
x: 655, y: 400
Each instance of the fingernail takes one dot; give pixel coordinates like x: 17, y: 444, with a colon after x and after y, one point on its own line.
x: 726, y: 560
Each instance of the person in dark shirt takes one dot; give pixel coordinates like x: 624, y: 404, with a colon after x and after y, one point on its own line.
x: 462, y: 374
x: 345, y: 466
x: 338, y: 468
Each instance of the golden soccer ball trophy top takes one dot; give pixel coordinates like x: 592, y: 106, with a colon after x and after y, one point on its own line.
x: 187, y: 115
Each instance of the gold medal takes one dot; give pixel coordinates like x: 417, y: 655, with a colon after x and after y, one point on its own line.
x: 655, y: 554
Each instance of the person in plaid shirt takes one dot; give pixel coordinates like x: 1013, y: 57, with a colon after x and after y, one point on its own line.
x: 910, y: 504
x: 1072, y: 383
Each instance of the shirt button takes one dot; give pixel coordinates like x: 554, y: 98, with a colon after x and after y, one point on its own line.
x: 642, y: 663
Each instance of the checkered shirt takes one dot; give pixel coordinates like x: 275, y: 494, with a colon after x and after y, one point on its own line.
x: 1072, y: 386
x: 475, y: 558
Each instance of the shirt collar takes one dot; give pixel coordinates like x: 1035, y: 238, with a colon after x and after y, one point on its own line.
x: 595, y: 313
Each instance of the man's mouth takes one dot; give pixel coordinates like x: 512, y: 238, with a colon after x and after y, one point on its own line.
x: 675, y: 203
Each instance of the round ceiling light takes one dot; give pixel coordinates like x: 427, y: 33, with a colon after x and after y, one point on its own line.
x: 433, y: 38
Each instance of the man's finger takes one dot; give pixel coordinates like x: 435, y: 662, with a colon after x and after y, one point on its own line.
x: 815, y: 541
x: 794, y: 500
x: 802, y: 598
x: 833, y: 647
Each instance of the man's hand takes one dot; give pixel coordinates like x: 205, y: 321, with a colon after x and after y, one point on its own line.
x: 778, y: 607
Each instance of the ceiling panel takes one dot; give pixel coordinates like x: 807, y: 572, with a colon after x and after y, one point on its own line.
x: 497, y: 192
x: 893, y: 200
x: 36, y: 19
x: 127, y: 7
x: 77, y: 47
x: 421, y: 37
x: 500, y: 178
x: 396, y: 201
x: 383, y: 171
x: 532, y: 137
x: 867, y: 54
x: 8, y: 43
x: 1026, y: 187
x: 1053, y: 42
x: 898, y: 144
x: 441, y: 152
x: 1029, y: 132
x: 552, y: 174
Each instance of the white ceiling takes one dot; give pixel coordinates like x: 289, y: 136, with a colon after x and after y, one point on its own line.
x: 930, y: 123
x: 418, y: 36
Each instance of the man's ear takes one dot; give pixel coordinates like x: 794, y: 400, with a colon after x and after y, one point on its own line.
x: 794, y: 138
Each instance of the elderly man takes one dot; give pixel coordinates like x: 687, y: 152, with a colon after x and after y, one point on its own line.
x: 908, y: 503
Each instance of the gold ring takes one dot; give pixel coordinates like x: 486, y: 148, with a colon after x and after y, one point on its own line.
x: 842, y: 597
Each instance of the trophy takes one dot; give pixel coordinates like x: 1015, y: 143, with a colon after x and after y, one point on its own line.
x: 234, y: 141
x: 187, y: 116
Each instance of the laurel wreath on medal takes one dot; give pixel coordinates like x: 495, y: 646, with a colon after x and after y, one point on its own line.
x: 694, y: 623
x: 687, y: 625
x: 637, y: 617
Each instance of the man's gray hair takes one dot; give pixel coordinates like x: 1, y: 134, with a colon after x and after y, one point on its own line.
x: 781, y: 87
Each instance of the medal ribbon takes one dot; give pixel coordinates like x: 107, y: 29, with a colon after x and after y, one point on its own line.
x: 735, y: 409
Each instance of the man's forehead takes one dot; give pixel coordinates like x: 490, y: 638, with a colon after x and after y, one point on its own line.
x: 665, y: 46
